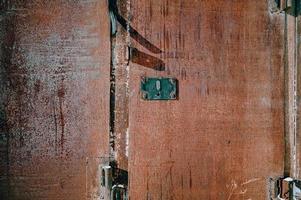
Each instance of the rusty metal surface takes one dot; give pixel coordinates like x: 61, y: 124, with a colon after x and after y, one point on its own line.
x: 298, y: 93
x: 224, y: 137
x: 54, y: 99
x: 290, y: 55
x: 121, y: 72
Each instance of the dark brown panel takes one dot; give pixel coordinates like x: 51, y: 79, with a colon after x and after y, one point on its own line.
x: 224, y: 137
x: 54, y: 99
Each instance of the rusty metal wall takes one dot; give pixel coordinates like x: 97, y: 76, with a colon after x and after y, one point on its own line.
x: 54, y: 98
x: 298, y: 95
x: 224, y: 137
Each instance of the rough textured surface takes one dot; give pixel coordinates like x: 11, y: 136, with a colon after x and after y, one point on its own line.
x: 120, y: 61
x: 291, y: 69
x: 54, y: 99
x: 298, y: 103
x: 224, y: 137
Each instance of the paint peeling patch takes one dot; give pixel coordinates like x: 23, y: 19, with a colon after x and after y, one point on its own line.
x: 274, y: 6
x: 127, y: 140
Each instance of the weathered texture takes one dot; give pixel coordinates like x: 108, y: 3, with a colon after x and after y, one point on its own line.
x: 120, y: 65
x: 290, y: 92
x: 54, y: 99
x: 224, y: 137
x: 298, y: 95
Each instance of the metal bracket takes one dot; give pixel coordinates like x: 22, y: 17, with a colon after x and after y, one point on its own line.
x: 286, y: 189
x: 284, y: 4
x: 291, y: 7
x: 115, y: 180
x: 119, y: 192
x: 159, y: 88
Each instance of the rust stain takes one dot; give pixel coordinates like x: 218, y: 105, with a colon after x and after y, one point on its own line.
x: 55, y: 126
x: 61, y: 95
x: 55, y: 80
x: 230, y: 107
x: 54, y: 83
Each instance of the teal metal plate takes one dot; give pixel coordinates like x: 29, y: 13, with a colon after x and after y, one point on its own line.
x: 159, y: 88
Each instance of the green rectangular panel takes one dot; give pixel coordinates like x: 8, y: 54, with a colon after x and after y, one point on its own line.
x: 159, y: 88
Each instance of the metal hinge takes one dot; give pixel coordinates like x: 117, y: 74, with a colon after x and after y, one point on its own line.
x: 116, y: 181
x: 285, y: 189
x: 284, y: 5
x: 291, y: 7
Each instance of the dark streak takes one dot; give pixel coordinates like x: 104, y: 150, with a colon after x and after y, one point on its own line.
x: 20, y: 121
x: 150, y: 9
x: 190, y: 178
x: 61, y: 95
x: 9, y: 39
x: 171, y: 181
x: 147, y: 187
x: 4, y: 139
x: 161, y: 190
x: 182, y: 185
x: 183, y: 74
x: 146, y: 60
x: 55, y: 124
x: 112, y: 84
x: 37, y: 86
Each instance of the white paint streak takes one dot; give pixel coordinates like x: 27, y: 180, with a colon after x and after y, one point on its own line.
x: 127, y: 142
x: 239, y: 189
x: 251, y: 181
x: 128, y: 42
x: 232, y: 189
x: 266, y: 101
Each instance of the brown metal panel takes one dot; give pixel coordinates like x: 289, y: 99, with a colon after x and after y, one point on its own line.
x: 120, y: 72
x: 54, y: 99
x: 224, y: 137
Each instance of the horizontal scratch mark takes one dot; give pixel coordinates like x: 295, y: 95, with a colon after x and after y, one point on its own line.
x: 251, y: 181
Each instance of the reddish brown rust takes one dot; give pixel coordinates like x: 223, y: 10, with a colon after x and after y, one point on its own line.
x: 224, y: 137
x: 298, y: 122
x: 146, y: 60
x: 54, y: 99
x: 120, y: 59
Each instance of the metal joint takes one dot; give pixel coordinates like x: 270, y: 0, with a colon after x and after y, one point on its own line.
x: 115, y: 181
x: 286, y: 189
